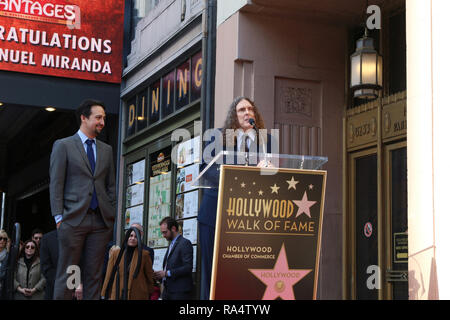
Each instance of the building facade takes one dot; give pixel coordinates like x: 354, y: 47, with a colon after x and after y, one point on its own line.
x: 162, y: 90
x: 293, y: 60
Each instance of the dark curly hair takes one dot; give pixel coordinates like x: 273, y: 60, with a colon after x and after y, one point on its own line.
x: 231, y: 121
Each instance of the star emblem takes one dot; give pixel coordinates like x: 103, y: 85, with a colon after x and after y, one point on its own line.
x: 311, y: 187
x: 292, y: 183
x: 280, y: 280
x: 304, y: 205
x: 260, y: 192
x: 242, y: 185
x: 275, y: 188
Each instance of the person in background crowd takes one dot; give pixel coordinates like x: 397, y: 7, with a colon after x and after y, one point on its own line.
x: 3, y: 246
x: 139, y: 288
x: 177, y: 274
x: 49, y: 260
x: 36, y: 236
x: 144, y: 246
x: 29, y: 283
x: 111, y: 246
x: 83, y: 200
x: 156, y: 291
x: 4, y: 249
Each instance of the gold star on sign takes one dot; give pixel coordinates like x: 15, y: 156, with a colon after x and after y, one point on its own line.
x: 311, y: 187
x: 292, y: 183
x: 275, y: 188
x: 260, y: 192
x: 242, y: 185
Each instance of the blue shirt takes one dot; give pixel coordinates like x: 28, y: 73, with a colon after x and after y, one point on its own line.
x: 83, y: 138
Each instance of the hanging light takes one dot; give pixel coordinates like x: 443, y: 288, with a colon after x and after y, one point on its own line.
x: 366, y: 69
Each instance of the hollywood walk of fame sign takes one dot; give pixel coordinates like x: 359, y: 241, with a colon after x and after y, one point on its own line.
x: 268, y: 234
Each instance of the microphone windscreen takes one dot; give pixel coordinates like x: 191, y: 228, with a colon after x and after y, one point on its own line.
x: 251, y: 121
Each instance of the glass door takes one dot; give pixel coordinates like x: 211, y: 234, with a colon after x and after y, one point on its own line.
x: 364, y: 207
x: 397, y: 221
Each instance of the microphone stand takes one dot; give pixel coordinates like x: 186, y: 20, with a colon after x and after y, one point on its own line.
x: 253, y: 123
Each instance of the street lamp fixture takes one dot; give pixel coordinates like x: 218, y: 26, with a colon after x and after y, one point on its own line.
x: 366, y: 69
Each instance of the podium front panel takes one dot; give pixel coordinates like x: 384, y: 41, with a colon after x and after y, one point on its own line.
x: 268, y: 234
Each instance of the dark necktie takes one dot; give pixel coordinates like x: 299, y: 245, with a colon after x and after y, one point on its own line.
x: 246, y: 141
x: 244, y: 146
x: 90, y: 155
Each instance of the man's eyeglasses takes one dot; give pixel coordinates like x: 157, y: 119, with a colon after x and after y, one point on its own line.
x: 30, y: 247
x: 4, y: 239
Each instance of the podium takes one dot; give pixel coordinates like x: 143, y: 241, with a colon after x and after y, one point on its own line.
x: 268, y: 225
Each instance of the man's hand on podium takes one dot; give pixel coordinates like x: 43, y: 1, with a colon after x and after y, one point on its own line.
x: 265, y: 164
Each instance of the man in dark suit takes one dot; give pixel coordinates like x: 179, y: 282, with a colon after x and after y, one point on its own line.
x: 83, y: 198
x: 49, y: 261
x: 244, y: 139
x: 177, y: 274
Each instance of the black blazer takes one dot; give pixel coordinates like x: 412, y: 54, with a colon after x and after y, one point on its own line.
x: 49, y: 260
x: 179, y: 263
x: 208, y: 206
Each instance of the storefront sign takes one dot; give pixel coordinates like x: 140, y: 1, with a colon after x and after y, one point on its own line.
x: 176, y: 89
x: 268, y: 234
x: 162, y: 165
x: 401, y: 247
x: 394, y: 119
x: 73, y: 39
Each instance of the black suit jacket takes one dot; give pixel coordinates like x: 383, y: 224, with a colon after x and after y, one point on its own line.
x: 49, y: 260
x: 179, y: 263
x: 208, y: 206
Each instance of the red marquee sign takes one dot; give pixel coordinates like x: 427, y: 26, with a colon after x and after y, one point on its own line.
x: 64, y: 38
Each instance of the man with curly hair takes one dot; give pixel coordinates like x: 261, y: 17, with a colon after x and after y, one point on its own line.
x: 238, y: 134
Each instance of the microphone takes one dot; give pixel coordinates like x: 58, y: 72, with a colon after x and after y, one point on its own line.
x: 252, y: 123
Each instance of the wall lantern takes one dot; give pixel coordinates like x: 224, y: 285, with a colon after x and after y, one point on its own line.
x: 366, y: 69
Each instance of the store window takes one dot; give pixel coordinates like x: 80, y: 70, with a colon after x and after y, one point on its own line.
x: 178, y: 88
x: 142, y: 110
x: 159, y: 202
x: 140, y: 9
x: 187, y: 196
x: 183, y: 86
x: 134, y: 201
x: 131, y: 116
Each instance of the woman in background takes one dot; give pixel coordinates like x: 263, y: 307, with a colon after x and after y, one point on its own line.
x: 29, y: 283
x: 139, y: 288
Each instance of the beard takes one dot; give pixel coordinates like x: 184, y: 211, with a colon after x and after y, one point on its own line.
x: 98, y: 130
